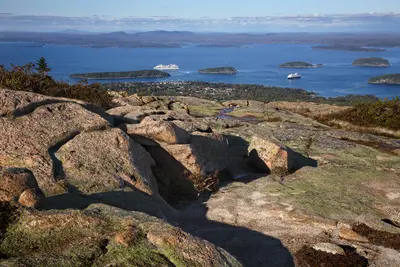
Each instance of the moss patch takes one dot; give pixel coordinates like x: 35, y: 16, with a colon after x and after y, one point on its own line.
x: 204, y: 111
x: 333, y: 191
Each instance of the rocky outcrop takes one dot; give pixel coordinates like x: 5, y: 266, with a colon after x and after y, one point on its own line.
x: 205, y: 154
x: 270, y: 156
x: 160, y: 131
x: 182, y: 120
x: 327, y: 186
x: 19, y: 186
x: 29, y: 141
x: 19, y: 103
x: 104, y: 236
x: 112, y: 157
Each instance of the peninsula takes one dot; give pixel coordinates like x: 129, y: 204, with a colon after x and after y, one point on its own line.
x: 299, y: 65
x: 347, y: 48
x: 371, y: 62
x: 386, y: 79
x: 121, y: 75
x: 219, y: 70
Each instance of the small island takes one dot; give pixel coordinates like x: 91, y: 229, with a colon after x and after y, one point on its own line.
x: 386, y: 79
x: 219, y: 45
x: 299, y: 65
x: 371, y: 62
x: 352, y: 48
x: 121, y: 75
x: 219, y: 70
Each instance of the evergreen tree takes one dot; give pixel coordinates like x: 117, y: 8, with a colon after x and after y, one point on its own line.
x: 41, y: 66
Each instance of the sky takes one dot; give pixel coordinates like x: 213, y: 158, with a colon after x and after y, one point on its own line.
x: 205, y: 15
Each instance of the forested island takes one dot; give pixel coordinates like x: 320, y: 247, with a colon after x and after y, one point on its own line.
x: 348, y: 48
x: 386, y: 79
x: 371, y: 62
x: 299, y: 65
x: 121, y: 75
x: 219, y: 70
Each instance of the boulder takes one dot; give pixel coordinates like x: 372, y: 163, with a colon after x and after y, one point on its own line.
x: 104, y: 236
x: 172, y: 177
x: 132, y: 114
x: 178, y: 106
x: 270, y: 155
x: 124, y: 99
x: 20, y: 186
x: 161, y: 131
x: 18, y: 103
x: 183, y: 120
x: 123, y: 110
x: 29, y: 141
x: 106, y: 160
x: 170, y: 238
x: 137, y: 116
x: 205, y: 154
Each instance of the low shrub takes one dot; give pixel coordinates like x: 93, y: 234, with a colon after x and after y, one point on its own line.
x: 382, y: 113
x: 24, y: 78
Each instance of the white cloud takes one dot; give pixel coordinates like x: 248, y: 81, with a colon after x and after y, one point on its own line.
x: 45, y: 22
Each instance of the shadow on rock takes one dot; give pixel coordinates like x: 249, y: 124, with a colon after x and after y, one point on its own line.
x: 250, y: 247
x: 129, y: 199
x: 295, y: 161
x: 300, y: 161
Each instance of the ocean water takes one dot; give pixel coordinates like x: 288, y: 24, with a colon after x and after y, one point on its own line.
x: 257, y: 64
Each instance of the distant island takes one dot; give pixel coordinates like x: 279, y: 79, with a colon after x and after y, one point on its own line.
x: 386, y: 79
x: 299, y: 65
x: 219, y: 45
x: 121, y: 75
x: 347, y: 48
x: 371, y: 62
x: 219, y: 70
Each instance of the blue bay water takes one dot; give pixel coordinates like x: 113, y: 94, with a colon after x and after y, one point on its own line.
x: 257, y: 64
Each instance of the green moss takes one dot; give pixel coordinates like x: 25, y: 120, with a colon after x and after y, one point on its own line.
x: 139, y: 254
x: 338, y: 189
x: 204, y: 111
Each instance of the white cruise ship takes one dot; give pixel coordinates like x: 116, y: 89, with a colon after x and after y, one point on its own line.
x: 166, y: 67
x: 294, y: 76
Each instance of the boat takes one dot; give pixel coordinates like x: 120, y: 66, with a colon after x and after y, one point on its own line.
x: 294, y: 76
x: 166, y: 67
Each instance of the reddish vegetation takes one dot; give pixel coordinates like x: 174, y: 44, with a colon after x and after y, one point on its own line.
x: 377, y: 237
x: 309, y: 257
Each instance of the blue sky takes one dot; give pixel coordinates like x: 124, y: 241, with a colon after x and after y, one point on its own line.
x: 195, y: 9
x: 207, y: 15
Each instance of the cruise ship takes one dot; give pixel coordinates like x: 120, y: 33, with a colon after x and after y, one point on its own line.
x: 294, y: 76
x: 166, y: 67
